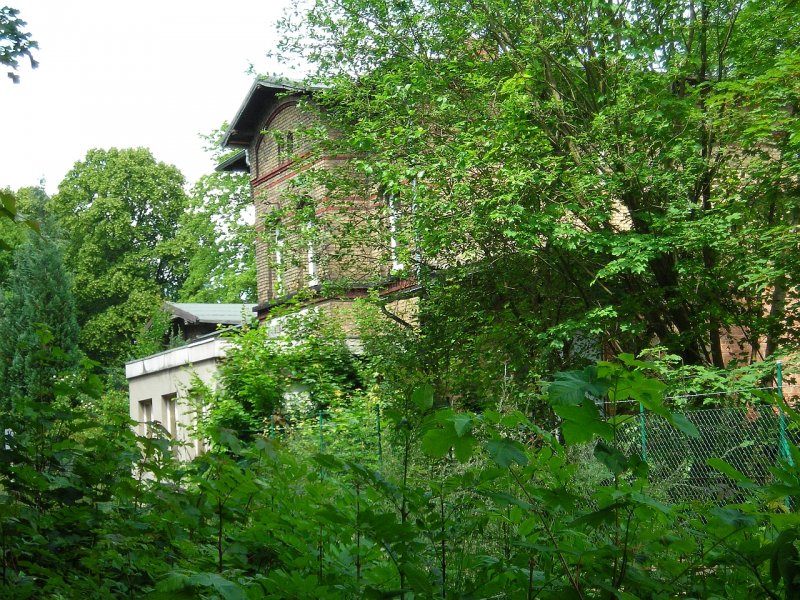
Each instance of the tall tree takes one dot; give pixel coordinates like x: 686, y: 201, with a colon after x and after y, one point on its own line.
x: 625, y: 171
x: 38, y: 326
x: 218, y: 233
x: 119, y: 210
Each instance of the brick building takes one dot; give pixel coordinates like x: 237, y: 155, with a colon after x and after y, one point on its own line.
x: 291, y: 260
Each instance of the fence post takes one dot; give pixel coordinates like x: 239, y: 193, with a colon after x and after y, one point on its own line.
x: 643, y: 431
x: 321, y: 437
x: 784, y: 449
x: 378, y: 426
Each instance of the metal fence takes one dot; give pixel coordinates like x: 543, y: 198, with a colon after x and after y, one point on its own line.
x: 751, y: 439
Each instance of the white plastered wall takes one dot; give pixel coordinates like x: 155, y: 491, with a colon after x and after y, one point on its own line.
x: 163, y: 381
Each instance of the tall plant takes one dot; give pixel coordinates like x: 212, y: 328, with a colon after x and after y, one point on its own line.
x: 38, y: 326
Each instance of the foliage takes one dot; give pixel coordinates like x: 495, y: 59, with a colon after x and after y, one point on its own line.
x: 38, y: 327
x: 462, y: 504
x: 561, y: 172
x: 15, y: 42
x: 220, y: 240
x: 119, y: 210
x: 18, y: 214
x: 217, y: 230
x: 289, y: 375
x: 158, y: 334
x: 585, y: 176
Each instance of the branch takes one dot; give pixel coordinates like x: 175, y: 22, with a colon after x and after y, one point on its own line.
x: 395, y: 318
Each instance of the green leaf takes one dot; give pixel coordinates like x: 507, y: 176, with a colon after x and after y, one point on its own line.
x: 9, y: 203
x: 612, y: 458
x: 422, y: 396
x: 174, y: 585
x: 784, y: 562
x: 582, y: 423
x: 681, y: 423
x: 462, y: 423
x: 571, y: 387
x: 328, y: 461
x: 726, y: 469
x: 418, y: 580
x: 515, y: 419
x: 464, y: 447
x: 505, y: 452
x: 437, y: 442
x: 224, y: 587
x: 733, y: 517
x: 630, y: 360
x: 599, y: 517
x: 227, y: 437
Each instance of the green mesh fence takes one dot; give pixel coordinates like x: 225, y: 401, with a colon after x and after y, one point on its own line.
x: 749, y: 439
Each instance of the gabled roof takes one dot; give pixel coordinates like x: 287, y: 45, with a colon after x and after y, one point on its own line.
x: 244, y: 126
x: 223, y: 314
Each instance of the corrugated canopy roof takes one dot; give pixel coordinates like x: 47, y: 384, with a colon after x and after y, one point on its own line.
x: 224, y: 314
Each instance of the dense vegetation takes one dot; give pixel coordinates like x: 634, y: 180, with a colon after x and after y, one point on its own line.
x: 558, y: 170
x: 448, y: 503
x: 566, y: 180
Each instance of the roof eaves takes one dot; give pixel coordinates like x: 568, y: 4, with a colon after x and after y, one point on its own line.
x: 278, y: 84
x: 181, y: 313
x: 235, y: 162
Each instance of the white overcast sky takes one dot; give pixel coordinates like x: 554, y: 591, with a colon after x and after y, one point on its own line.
x: 129, y: 73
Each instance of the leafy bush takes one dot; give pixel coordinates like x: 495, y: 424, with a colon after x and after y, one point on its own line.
x: 463, y: 504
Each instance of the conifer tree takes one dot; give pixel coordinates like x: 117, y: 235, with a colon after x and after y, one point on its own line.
x: 38, y: 327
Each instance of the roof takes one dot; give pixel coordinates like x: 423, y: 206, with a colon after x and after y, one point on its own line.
x: 244, y: 126
x: 223, y: 314
x: 235, y: 162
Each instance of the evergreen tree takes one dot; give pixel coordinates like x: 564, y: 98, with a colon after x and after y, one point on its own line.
x: 38, y: 327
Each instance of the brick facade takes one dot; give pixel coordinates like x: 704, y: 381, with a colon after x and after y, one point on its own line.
x: 269, y: 126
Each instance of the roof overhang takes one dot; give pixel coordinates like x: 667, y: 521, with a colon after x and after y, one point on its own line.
x: 217, y: 314
x: 235, y: 162
x: 244, y: 126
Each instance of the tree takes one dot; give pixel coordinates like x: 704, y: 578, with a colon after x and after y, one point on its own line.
x: 219, y: 236
x: 119, y: 210
x: 38, y: 327
x: 614, y: 171
x: 15, y: 42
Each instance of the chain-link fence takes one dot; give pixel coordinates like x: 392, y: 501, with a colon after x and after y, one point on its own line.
x: 751, y: 439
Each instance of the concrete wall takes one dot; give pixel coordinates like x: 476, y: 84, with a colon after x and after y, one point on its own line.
x: 159, y: 384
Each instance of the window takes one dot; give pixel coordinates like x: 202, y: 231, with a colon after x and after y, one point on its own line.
x: 394, y: 216
x: 170, y: 402
x: 285, y: 147
x: 417, y: 253
x: 278, y: 263
x: 311, y: 266
x: 145, y: 416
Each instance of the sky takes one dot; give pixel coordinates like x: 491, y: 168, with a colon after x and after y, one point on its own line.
x: 130, y: 73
